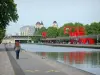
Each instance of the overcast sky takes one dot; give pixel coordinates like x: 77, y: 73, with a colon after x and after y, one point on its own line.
x: 62, y: 11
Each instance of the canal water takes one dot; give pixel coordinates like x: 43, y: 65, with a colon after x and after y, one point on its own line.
x: 81, y: 58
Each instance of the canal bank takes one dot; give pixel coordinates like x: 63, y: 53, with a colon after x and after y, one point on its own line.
x: 30, y: 64
x: 73, y: 45
x: 68, y: 69
x: 86, y: 59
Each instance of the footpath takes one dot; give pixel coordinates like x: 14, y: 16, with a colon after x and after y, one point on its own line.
x: 5, y: 65
x: 31, y: 64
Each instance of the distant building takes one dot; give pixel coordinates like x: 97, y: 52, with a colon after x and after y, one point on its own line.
x: 39, y: 25
x: 27, y: 30
x: 55, y: 24
x: 17, y: 34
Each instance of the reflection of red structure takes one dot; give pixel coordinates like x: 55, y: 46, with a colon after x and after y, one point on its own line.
x: 65, y: 58
x: 78, y: 31
x: 71, y: 57
x: 43, y: 54
x: 44, y: 34
x: 77, y: 57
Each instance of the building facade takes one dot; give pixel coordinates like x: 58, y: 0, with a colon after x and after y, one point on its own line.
x: 55, y: 24
x: 27, y: 30
x: 39, y: 25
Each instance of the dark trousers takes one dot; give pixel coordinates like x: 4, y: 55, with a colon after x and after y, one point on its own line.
x: 17, y: 54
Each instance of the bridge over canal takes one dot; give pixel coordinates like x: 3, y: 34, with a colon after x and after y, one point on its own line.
x: 22, y: 39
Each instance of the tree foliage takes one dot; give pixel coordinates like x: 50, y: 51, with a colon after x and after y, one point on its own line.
x: 52, y: 32
x: 36, y: 39
x: 61, y: 31
x: 39, y: 31
x: 2, y: 34
x: 8, y: 12
x: 93, y: 28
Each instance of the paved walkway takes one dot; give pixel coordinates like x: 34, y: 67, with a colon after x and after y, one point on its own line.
x: 5, y: 65
x: 31, y: 64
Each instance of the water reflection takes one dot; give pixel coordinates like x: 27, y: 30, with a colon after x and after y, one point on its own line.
x: 81, y: 58
x: 89, y: 59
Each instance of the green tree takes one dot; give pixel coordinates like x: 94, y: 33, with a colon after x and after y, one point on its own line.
x: 43, y: 29
x: 2, y: 34
x: 39, y: 31
x: 8, y: 12
x: 36, y: 39
x: 68, y: 24
x: 61, y: 29
x: 95, y: 27
x: 52, y: 32
x: 98, y: 27
x: 88, y: 29
x: 61, y: 32
x: 78, y: 24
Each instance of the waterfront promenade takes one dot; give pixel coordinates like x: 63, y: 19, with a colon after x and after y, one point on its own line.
x: 32, y: 64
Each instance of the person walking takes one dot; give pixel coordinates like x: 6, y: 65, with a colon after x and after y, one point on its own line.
x: 17, y: 49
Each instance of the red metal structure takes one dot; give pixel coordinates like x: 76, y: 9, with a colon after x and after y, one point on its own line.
x: 78, y: 31
x: 44, y: 34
